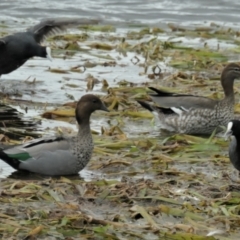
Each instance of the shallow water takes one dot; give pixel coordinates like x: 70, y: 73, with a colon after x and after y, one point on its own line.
x: 54, y: 88
x: 138, y: 11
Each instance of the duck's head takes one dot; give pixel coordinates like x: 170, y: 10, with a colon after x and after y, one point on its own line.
x: 86, y: 106
x: 229, y: 74
x: 231, y: 71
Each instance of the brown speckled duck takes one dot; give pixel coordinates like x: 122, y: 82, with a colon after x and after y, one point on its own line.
x: 195, y: 115
x: 58, y: 155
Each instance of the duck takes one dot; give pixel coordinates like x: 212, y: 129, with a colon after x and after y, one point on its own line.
x: 60, y: 154
x: 19, y: 47
x: 195, y: 115
x: 233, y: 130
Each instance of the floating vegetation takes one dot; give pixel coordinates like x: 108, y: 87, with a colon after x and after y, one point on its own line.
x: 140, y: 183
x: 98, y: 28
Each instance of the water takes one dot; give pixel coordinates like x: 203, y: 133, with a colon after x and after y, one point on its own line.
x: 53, y: 88
x: 139, y: 11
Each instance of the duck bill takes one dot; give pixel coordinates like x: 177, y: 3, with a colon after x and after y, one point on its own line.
x: 104, y: 108
x: 49, y: 56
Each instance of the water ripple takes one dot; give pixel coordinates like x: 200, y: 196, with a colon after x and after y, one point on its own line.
x: 142, y: 11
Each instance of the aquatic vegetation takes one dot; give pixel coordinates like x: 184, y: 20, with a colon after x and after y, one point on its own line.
x: 140, y: 184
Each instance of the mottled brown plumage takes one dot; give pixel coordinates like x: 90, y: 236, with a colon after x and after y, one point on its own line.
x: 195, y: 114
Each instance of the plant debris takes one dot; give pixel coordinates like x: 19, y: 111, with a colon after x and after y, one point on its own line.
x: 140, y: 183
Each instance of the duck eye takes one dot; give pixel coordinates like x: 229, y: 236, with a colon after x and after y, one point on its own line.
x: 94, y: 101
x: 237, y: 69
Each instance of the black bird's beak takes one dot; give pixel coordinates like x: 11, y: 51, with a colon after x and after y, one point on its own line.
x: 49, y: 56
x: 227, y: 134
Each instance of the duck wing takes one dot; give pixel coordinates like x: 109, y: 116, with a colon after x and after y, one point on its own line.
x: 34, y: 148
x: 48, y: 156
x: 169, y: 100
x: 51, y: 27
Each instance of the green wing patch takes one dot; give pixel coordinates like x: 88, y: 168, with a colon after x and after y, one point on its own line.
x: 20, y: 156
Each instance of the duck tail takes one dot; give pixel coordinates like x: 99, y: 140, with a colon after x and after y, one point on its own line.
x: 159, y: 92
x: 165, y: 111
x: 13, y: 162
x: 146, y: 105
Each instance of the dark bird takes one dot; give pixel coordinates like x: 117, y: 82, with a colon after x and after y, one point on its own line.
x: 197, y: 115
x: 233, y: 130
x: 17, y: 48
